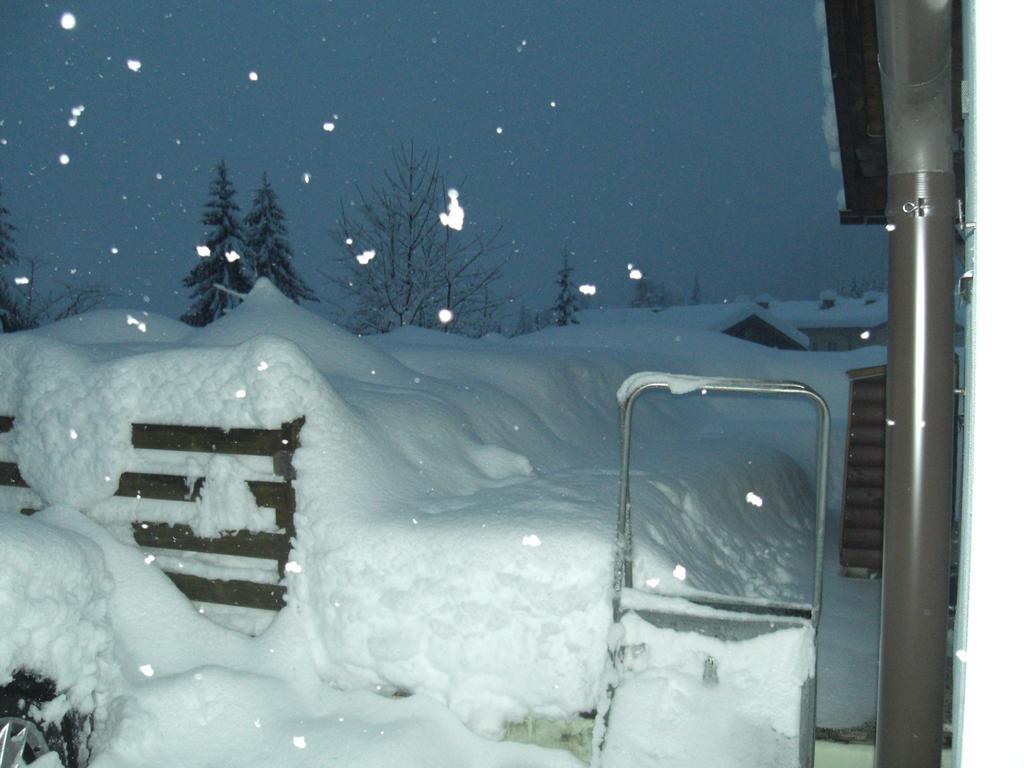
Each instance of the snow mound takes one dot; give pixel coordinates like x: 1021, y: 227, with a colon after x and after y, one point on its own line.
x: 53, y: 600
x: 266, y: 311
x: 116, y: 326
x: 743, y: 715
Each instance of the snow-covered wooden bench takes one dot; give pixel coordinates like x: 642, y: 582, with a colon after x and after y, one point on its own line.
x: 278, y: 494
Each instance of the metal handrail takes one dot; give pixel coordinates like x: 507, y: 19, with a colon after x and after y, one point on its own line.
x: 632, y: 388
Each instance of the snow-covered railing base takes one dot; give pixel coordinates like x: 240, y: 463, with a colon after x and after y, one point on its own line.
x: 277, y: 444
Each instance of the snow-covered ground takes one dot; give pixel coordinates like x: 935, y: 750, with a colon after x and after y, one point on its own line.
x: 456, y: 504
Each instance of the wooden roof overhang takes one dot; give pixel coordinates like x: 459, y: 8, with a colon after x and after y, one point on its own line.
x: 860, y: 117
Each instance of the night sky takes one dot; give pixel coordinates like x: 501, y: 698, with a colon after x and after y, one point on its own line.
x: 684, y: 137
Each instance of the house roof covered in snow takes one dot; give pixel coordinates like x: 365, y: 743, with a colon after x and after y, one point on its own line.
x: 844, y: 312
x: 705, y: 317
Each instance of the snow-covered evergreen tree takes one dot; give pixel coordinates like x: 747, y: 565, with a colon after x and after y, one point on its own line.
x: 221, y: 261
x: 7, y: 253
x: 564, y: 312
x: 695, y: 295
x: 8, y: 256
x: 267, y: 251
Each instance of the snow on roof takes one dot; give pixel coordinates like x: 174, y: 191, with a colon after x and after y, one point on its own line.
x: 847, y: 312
x: 707, y: 317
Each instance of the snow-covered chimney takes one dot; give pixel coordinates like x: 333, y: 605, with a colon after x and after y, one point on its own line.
x: 828, y: 299
x: 764, y: 301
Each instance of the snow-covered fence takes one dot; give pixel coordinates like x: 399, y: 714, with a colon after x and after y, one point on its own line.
x: 279, y: 495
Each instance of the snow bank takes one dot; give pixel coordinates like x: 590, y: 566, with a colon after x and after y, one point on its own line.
x: 456, y: 499
x: 53, y: 600
x: 670, y: 709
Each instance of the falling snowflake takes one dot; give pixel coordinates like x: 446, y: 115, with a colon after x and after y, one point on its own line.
x: 306, y: 177
x: 635, y: 274
x: 254, y: 76
x: 147, y: 670
x: 203, y: 251
x: 21, y: 281
x: 754, y: 500
x: 652, y: 583
x: 455, y: 216
x: 532, y: 540
x: 73, y: 434
x: 262, y: 366
x: 64, y: 159
x: 445, y: 316
x: 328, y: 126
x: 292, y: 567
x: 588, y: 290
x: 865, y: 335
x: 113, y: 250
x: 232, y: 256
x: 499, y: 130
x: 134, y: 65
x: 366, y: 257
x: 68, y: 21
x: 679, y: 572
x: 148, y: 559
x: 299, y: 742
x: 240, y: 393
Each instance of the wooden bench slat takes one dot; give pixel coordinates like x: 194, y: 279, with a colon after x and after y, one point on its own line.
x: 270, y: 494
x: 245, y: 594
x: 241, y: 441
x: 262, y: 544
x: 11, y: 476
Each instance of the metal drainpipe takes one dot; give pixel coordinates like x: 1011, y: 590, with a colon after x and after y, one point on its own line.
x: 914, y: 59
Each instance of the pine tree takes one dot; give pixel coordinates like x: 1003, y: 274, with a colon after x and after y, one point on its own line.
x: 9, y: 314
x: 224, y: 265
x: 266, y: 248
x: 566, y: 304
x: 8, y: 255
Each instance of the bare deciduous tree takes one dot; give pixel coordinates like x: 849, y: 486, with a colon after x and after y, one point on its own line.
x: 26, y: 306
x: 401, y: 265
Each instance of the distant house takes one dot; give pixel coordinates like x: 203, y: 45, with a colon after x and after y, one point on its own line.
x: 838, y: 323
x: 748, y: 321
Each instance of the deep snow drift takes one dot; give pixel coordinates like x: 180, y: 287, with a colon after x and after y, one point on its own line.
x: 454, y: 529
